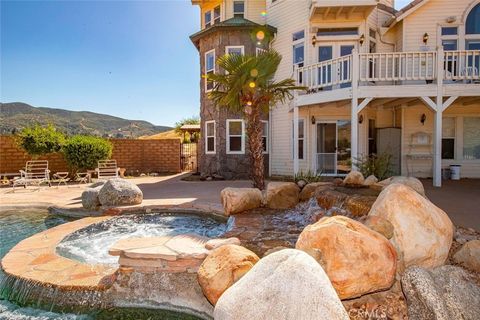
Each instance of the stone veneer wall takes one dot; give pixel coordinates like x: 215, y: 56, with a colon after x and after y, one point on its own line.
x: 137, y: 156
x: 229, y: 166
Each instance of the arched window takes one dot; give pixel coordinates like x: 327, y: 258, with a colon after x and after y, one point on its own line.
x: 472, y: 25
x: 472, y: 30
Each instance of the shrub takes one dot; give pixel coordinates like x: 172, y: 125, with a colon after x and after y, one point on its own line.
x: 38, y: 140
x: 84, y: 152
x: 308, y: 177
x: 378, y: 165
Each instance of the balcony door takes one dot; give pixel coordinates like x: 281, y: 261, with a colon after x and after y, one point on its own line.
x: 333, y: 147
x: 334, y: 72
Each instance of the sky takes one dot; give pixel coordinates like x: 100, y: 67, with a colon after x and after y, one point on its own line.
x: 131, y: 59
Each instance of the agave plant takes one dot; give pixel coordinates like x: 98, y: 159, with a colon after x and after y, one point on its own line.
x: 248, y: 87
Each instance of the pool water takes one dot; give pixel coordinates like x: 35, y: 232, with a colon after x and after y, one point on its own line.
x: 16, y: 225
x: 91, y: 244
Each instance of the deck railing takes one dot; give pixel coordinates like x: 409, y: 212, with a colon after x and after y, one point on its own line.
x: 395, y: 68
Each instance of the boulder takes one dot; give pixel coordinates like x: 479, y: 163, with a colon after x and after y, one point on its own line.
x: 288, y: 284
x: 330, y: 198
x: 310, y: 189
x: 222, y: 268
x: 236, y: 200
x: 445, y: 293
x: 90, y: 199
x: 354, y: 178
x: 359, y: 205
x: 96, y: 184
x: 469, y: 255
x: 411, y: 182
x: 422, y: 231
x: 357, y: 259
x: 379, y: 224
x: 370, y: 180
x: 282, y: 195
x: 120, y: 192
x: 216, y: 243
x: 301, y: 183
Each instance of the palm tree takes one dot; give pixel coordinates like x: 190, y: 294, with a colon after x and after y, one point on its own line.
x: 247, y: 87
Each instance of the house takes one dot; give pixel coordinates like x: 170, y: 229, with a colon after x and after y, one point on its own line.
x: 379, y: 80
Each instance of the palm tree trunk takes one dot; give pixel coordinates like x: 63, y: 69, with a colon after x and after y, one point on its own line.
x: 254, y: 131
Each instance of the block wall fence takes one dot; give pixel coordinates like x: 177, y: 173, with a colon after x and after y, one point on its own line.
x: 137, y: 156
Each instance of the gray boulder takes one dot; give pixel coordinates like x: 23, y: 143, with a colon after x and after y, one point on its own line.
x: 90, y: 199
x: 120, y: 192
x: 288, y: 284
x: 444, y: 293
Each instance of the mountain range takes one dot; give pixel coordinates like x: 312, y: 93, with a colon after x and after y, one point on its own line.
x: 17, y: 115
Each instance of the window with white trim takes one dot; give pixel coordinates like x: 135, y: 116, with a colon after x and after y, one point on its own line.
x: 216, y: 14
x: 234, y: 50
x: 211, y: 17
x: 298, y: 41
x: 210, y: 137
x: 239, y: 9
x: 301, y: 139
x: 235, y: 136
x: 471, y: 138
x: 448, y: 138
x: 209, y: 68
x: 207, y: 19
x: 265, y: 144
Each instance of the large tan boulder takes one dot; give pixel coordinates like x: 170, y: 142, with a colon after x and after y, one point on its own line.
x: 236, y: 200
x: 310, y: 189
x: 330, y: 198
x: 282, y: 195
x: 370, y: 180
x: 222, y: 268
x: 469, y: 255
x: 287, y: 285
x: 359, y: 205
x: 354, y: 178
x: 411, y: 182
x: 379, y: 224
x: 357, y: 259
x: 422, y: 231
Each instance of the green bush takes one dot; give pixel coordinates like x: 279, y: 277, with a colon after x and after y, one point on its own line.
x: 38, y: 140
x: 84, y: 152
x: 308, y: 177
x: 378, y: 165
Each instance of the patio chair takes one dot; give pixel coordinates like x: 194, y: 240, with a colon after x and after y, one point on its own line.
x: 36, y: 172
x: 107, y: 169
x: 470, y: 74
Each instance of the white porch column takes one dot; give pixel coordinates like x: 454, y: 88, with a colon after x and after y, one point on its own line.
x: 295, y: 137
x: 354, y: 107
x: 437, y: 125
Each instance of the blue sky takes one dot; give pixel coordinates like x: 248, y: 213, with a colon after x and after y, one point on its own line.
x: 131, y: 59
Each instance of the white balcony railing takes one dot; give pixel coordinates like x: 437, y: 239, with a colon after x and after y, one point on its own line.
x: 395, y: 68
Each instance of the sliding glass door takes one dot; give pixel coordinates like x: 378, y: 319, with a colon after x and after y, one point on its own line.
x: 333, y: 147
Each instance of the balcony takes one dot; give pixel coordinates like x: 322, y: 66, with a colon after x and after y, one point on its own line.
x: 392, y: 74
x: 335, y: 9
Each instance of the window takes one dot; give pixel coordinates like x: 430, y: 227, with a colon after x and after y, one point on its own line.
x: 235, y: 137
x: 208, y: 19
x: 299, y: 35
x: 265, y: 136
x: 209, y: 137
x: 472, y: 25
x: 298, y: 39
x: 239, y: 9
x: 216, y: 14
x: 448, y: 138
x: 372, y: 41
x: 449, y: 45
x: 337, y: 32
x: 234, y: 50
x: 471, y: 138
x: 301, y: 138
x: 449, y: 31
x: 209, y: 68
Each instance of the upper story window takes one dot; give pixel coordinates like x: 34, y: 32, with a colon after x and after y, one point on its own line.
x: 234, y: 50
x: 209, y: 68
x: 239, y: 9
x: 449, y: 36
x: 216, y: 14
x: 208, y: 19
x: 337, y: 31
x: 235, y: 136
x: 449, y: 31
x: 298, y: 39
x: 473, y: 21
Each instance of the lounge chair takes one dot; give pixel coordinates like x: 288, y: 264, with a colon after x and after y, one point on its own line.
x: 107, y: 169
x: 36, y: 172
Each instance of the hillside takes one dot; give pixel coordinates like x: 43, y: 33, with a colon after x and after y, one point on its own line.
x: 170, y: 134
x: 17, y: 115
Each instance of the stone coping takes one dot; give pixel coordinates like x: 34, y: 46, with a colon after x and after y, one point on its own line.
x: 35, y: 259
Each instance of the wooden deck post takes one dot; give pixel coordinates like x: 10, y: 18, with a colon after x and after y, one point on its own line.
x: 354, y: 107
x: 437, y: 126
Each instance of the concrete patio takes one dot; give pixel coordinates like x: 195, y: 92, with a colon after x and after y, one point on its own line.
x: 460, y: 199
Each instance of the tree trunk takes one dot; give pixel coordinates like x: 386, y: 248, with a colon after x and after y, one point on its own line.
x: 254, y: 131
